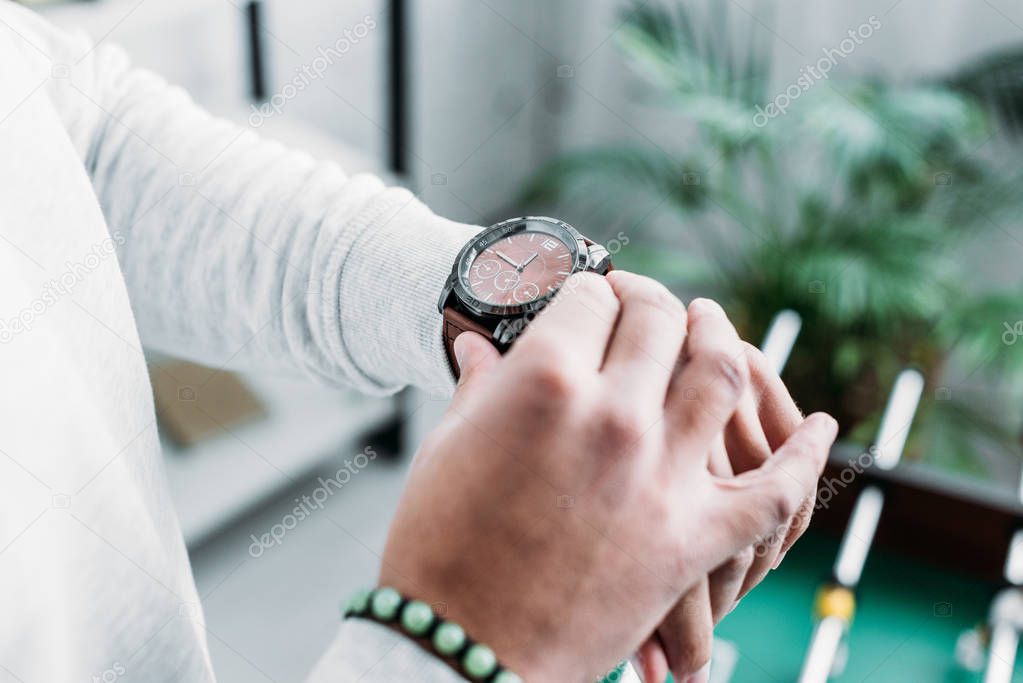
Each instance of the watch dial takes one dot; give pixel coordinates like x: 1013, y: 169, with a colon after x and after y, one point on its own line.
x: 519, y: 268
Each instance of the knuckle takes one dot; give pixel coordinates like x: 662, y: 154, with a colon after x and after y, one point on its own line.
x: 783, y: 507
x: 594, y: 292
x: 549, y: 380
x: 803, y: 515
x: 656, y: 295
x: 729, y: 374
x: 737, y: 565
x: 754, y: 356
x: 802, y: 450
x: 692, y: 652
x: 619, y: 426
x: 649, y: 292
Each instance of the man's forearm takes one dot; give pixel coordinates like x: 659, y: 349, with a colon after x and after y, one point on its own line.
x: 240, y: 252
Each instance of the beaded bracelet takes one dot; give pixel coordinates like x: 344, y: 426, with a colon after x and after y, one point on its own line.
x: 415, y: 618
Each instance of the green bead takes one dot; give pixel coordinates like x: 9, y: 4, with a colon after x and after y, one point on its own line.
x: 507, y: 677
x: 448, y: 638
x: 385, y: 603
x: 358, y: 603
x: 479, y: 661
x: 417, y: 618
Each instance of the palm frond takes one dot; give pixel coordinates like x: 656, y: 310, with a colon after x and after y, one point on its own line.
x: 978, y: 196
x: 621, y: 170
x: 694, y: 62
x: 894, y: 145
x: 955, y: 429
x: 996, y: 81
x: 985, y: 333
x: 855, y: 272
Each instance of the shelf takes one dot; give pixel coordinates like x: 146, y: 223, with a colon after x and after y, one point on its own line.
x: 215, y: 482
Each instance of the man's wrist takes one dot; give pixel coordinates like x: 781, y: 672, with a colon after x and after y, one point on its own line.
x: 403, y: 257
x: 446, y: 639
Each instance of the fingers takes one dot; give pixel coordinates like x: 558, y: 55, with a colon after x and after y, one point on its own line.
x: 764, y: 556
x: 651, y: 661
x: 756, y: 507
x: 476, y: 358
x: 769, y: 553
x: 766, y: 418
x: 779, y: 416
x: 703, y: 396
x: 799, y: 525
x: 687, y: 634
x: 745, y: 441
x: 647, y: 340
x: 578, y: 321
x: 727, y: 583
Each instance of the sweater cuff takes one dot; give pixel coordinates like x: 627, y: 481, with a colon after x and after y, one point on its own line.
x: 404, y: 255
x: 369, y: 652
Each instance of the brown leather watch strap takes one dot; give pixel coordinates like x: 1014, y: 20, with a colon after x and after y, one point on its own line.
x: 455, y: 323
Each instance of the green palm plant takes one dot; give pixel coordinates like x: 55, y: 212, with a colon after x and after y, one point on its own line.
x: 853, y: 208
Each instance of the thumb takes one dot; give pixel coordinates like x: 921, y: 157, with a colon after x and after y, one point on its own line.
x: 756, y: 508
x: 476, y: 357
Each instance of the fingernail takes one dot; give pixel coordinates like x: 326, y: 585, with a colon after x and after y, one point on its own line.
x: 825, y: 422
x: 778, y: 561
x: 701, y: 676
x: 702, y: 305
x: 461, y: 354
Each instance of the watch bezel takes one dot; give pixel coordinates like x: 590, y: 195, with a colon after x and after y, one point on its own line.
x: 559, y: 229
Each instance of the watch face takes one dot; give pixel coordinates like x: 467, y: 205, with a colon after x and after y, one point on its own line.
x: 519, y: 263
x: 519, y: 268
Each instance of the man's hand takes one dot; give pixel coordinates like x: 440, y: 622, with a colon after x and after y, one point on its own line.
x: 565, y: 503
x: 764, y: 421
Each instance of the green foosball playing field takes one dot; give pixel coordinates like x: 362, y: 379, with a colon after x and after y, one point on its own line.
x: 909, y: 616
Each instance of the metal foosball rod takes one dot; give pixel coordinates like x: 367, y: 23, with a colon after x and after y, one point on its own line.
x: 1006, y: 614
x: 1001, y: 660
x: 777, y: 345
x: 836, y: 601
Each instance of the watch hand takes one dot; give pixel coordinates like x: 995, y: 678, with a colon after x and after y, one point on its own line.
x: 527, y: 262
x: 506, y: 259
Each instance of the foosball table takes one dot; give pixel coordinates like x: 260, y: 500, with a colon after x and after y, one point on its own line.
x: 906, y: 575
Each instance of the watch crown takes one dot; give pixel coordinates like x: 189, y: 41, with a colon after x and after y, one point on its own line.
x: 599, y: 260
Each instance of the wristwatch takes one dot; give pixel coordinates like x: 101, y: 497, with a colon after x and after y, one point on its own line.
x: 508, y: 273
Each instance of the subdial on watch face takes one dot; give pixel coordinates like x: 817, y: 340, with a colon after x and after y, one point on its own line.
x: 484, y: 268
x: 506, y: 280
x: 527, y: 292
x: 520, y: 268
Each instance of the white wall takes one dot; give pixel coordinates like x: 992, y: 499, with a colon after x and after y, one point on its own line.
x: 348, y: 101
x: 490, y: 107
x: 203, y: 46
